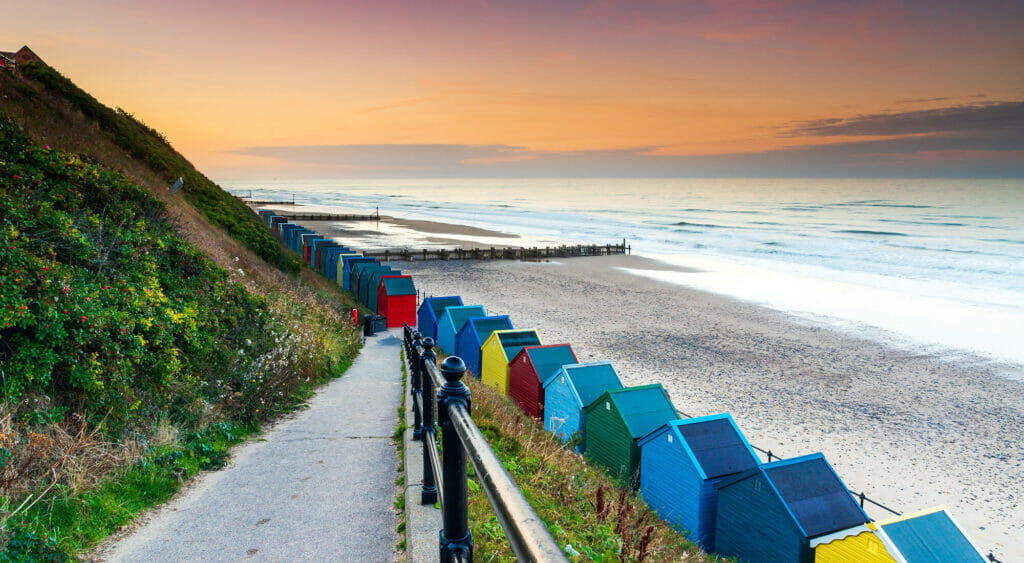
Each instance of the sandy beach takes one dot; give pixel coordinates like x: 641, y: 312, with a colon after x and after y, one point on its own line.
x: 911, y: 430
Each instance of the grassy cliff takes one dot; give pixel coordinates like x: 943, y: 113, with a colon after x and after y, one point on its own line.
x: 141, y: 334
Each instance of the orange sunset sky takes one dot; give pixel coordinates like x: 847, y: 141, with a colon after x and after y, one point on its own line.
x: 310, y: 88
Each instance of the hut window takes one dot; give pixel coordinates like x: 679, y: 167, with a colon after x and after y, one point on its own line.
x: 669, y: 438
x: 561, y: 380
x: 757, y: 484
x: 607, y: 405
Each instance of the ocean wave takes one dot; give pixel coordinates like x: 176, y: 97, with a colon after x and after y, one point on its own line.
x: 871, y: 233
x: 704, y: 225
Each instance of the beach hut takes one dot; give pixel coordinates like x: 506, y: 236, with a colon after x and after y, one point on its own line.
x: 320, y: 256
x: 339, y: 266
x: 927, y: 536
x: 308, y: 242
x: 396, y: 300
x: 285, y: 233
x: 294, y: 242
x: 680, y: 464
x: 331, y: 260
x: 349, y: 263
x: 451, y: 322
x: 276, y: 221
x: 375, y: 277
x: 498, y: 350
x: 618, y: 419
x: 473, y: 334
x: 772, y: 513
x: 351, y: 269
x: 568, y: 391
x: 529, y: 369
x: 363, y: 279
x: 430, y: 312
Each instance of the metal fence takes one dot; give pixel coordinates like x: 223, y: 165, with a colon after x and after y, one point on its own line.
x: 440, y: 398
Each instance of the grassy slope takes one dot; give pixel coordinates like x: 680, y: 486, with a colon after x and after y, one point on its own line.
x: 95, y: 492
x: 581, y: 505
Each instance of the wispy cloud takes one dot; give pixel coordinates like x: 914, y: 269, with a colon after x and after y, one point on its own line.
x: 1002, y: 119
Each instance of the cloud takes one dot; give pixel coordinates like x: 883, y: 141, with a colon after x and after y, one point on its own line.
x: 997, y: 118
x: 930, y: 157
x: 978, y: 140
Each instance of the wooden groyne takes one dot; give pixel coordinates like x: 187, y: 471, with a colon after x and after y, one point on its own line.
x: 508, y: 253
x: 327, y: 217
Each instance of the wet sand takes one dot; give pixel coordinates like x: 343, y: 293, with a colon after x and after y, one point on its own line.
x: 911, y: 429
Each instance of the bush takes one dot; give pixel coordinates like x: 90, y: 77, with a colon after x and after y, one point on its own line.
x: 102, y: 307
x: 150, y: 147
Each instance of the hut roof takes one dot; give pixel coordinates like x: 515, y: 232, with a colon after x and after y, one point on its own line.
x: 461, y: 314
x: 922, y: 535
x: 514, y: 340
x: 547, y: 359
x: 813, y: 493
x: 717, y: 444
x: 438, y: 304
x: 644, y: 408
x: 484, y: 326
x: 590, y: 380
x: 399, y: 285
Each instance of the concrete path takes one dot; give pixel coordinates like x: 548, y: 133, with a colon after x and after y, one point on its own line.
x: 320, y: 487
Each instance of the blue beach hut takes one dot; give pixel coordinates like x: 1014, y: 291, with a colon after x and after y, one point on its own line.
x: 568, y: 391
x: 285, y: 233
x: 295, y: 238
x: 680, y: 464
x: 331, y: 260
x: 320, y: 255
x: 472, y: 336
x: 335, y: 271
x: 771, y: 513
x: 451, y: 322
x: 350, y: 263
x: 431, y: 310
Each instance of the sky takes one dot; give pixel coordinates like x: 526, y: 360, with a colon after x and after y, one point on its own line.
x: 448, y: 88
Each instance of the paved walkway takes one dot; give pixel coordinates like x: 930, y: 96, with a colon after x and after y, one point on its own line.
x: 319, y: 487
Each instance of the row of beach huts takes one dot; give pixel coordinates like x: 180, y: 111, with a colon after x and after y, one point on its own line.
x: 700, y: 474
x: 379, y: 287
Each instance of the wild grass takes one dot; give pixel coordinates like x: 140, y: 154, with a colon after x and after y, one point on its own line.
x: 585, y: 510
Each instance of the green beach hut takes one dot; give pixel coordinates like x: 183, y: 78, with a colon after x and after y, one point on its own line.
x: 617, y: 420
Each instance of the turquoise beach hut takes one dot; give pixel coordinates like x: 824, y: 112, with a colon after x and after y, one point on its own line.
x: 772, y: 513
x: 374, y: 283
x: 451, y: 322
x: 568, y: 391
x: 680, y: 464
x: 472, y: 336
x: 361, y: 282
x: 430, y: 312
x: 618, y: 419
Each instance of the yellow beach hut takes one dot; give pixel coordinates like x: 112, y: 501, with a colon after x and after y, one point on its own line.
x: 498, y: 350
x: 852, y: 545
x: 927, y: 536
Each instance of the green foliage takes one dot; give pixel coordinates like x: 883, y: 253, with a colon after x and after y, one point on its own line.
x: 151, y: 148
x: 104, y: 309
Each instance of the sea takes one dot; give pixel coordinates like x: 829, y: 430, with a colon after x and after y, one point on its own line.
x: 935, y: 265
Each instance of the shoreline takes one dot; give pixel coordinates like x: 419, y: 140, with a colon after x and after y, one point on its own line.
x: 910, y: 428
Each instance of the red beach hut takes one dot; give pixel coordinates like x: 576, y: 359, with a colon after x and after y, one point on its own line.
x: 528, y: 371
x: 396, y: 300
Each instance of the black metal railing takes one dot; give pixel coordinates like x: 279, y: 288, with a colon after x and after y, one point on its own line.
x: 440, y: 390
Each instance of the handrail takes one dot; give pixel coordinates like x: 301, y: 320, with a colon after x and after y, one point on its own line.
x: 462, y: 443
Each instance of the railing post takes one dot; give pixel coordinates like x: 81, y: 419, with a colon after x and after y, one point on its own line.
x: 417, y: 385
x: 456, y: 539
x: 429, y: 493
